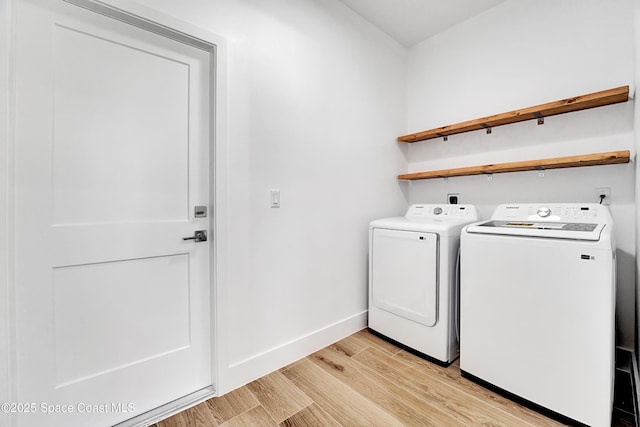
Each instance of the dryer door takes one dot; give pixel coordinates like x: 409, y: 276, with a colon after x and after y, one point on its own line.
x: 405, y: 274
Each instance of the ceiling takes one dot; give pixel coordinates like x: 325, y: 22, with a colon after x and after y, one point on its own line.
x: 412, y: 21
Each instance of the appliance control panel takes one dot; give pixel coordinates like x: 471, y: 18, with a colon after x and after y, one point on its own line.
x: 556, y: 226
x: 443, y: 211
x: 563, y: 212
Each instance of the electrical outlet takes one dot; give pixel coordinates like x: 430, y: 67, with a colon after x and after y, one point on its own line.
x: 606, y: 191
x: 453, y: 198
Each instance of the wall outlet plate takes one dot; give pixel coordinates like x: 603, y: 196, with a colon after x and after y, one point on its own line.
x: 453, y: 198
x: 607, y: 195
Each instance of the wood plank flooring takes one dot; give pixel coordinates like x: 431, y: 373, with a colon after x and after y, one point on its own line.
x: 361, y: 380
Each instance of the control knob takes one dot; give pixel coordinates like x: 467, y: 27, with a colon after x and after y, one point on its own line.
x: 544, y: 212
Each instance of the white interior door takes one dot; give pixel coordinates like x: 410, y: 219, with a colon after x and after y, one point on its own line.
x: 111, y: 157
x: 405, y: 274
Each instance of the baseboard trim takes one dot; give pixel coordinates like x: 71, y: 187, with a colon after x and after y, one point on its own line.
x: 261, y: 364
x: 165, y: 411
x: 252, y: 368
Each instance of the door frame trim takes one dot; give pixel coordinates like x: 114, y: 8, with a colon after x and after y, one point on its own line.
x: 131, y: 12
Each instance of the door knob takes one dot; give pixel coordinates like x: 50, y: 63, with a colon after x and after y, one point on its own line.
x: 198, y: 236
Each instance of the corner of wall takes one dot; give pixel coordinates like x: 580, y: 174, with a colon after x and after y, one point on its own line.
x: 244, y: 371
x: 5, y: 216
x: 636, y: 126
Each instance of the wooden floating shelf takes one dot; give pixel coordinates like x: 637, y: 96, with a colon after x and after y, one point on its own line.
x: 608, y: 158
x: 583, y: 102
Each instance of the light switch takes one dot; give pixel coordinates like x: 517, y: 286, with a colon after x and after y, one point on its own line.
x: 275, y: 198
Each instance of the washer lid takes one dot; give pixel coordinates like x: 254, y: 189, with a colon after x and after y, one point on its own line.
x: 546, y: 229
x: 443, y: 228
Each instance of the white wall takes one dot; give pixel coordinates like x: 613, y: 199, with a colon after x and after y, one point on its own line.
x: 316, y: 97
x: 5, y: 32
x: 517, y: 55
x: 636, y: 15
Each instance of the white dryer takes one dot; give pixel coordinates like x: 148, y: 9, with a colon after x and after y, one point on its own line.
x: 412, y: 278
x: 537, y: 306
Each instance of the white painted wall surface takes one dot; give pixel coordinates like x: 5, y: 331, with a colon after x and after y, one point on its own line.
x: 5, y: 177
x: 636, y: 39
x: 519, y: 54
x: 516, y: 55
x: 316, y: 97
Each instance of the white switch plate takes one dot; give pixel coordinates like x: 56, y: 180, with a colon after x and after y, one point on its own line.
x: 275, y: 198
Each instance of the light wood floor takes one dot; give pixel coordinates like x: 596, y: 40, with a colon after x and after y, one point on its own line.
x: 360, y: 381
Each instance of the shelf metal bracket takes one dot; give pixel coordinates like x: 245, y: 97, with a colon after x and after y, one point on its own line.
x: 540, y: 170
x: 487, y: 128
x: 540, y: 118
x: 445, y: 138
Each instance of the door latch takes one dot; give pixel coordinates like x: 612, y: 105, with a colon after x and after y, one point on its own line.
x: 200, y: 212
x: 198, y: 236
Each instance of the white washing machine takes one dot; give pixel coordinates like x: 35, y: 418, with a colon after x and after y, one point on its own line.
x: 537, y: 306
x: 412, y: 278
